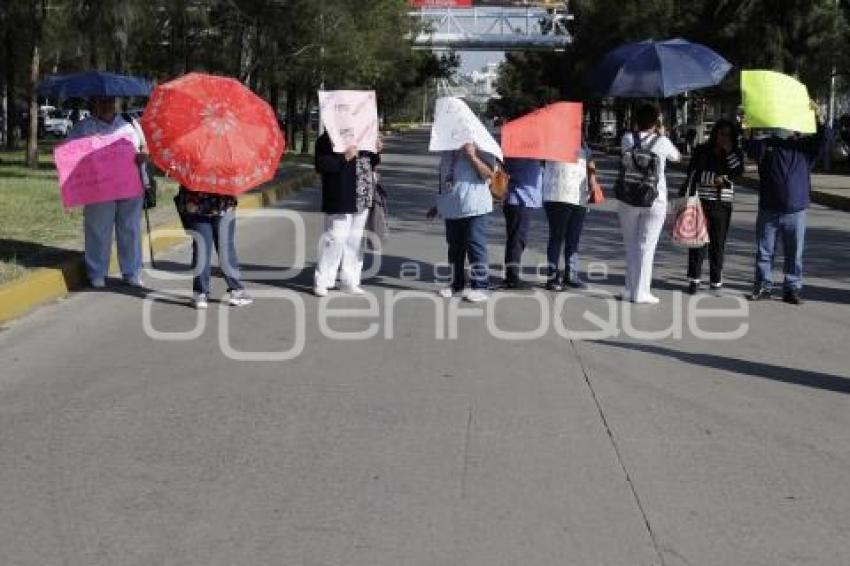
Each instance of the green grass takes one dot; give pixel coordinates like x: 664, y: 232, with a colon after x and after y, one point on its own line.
x: 35, y: 229
x: 32, y: 219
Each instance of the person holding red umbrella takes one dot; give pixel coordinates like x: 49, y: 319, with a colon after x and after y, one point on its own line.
x: 218, y: 139
x: 212, y: 220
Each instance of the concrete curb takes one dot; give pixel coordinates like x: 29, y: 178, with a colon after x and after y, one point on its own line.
x: 839, y: 202
x: 47, y: 284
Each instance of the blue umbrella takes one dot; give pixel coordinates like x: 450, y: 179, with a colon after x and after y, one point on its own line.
x: 93, y: 83
x: 658, y: 69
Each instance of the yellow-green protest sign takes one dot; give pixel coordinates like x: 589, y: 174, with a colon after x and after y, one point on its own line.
x: 774, y: 100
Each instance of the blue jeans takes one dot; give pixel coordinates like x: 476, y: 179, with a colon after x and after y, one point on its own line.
x: 99, y: 220
x: 467, y: 237
x: 792, y: 227
x: 517, y: 222
x: 218, y: 232
x: 565, y: 224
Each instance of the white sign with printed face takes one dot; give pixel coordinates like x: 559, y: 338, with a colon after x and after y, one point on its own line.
x: 351, y: 118
x: 455, y: 125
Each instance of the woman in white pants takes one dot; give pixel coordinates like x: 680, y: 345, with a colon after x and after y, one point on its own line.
x: 642, y: 225
x: 348, y: 191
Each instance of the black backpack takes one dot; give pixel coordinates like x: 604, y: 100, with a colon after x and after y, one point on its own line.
x: 640, y: 171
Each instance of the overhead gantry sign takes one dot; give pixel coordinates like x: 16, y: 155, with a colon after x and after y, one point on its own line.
x: 495, y: 25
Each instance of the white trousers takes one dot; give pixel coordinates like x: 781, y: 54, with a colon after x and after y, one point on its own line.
x: 339, y: 250
x: 641, y: 230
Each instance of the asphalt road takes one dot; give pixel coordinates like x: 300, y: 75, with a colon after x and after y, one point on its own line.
x: 432, y: 438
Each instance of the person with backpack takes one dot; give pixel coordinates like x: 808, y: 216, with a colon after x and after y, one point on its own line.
x: 641, y: 188
x: 124, y: 216
x: 711, y: 171
x: 785, y: 160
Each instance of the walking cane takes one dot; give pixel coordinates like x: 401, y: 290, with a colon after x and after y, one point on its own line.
x: 150, y: 242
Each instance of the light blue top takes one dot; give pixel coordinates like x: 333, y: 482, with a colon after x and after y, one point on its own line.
x: 463, y: 193
x: 525, y: 187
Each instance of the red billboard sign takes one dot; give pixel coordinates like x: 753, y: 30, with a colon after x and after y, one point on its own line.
x: 471, y: 3
x: 441, y: 3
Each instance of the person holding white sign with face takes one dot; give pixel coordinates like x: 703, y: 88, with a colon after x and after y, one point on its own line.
x: 348, y: 190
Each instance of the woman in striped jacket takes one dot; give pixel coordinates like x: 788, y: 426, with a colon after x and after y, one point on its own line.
x: 713, y: 167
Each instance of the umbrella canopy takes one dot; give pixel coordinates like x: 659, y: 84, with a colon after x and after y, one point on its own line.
x: 658, y: 69
x: 212, y: 134
x: 93, y: 83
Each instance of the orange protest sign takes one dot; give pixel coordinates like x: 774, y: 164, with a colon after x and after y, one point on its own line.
x: 552, y: 133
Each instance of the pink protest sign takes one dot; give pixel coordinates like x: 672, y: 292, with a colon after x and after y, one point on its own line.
x: 97, y: 169
x: 351, y: 118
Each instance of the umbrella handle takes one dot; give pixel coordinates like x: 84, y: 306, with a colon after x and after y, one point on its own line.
x: 150, y: 242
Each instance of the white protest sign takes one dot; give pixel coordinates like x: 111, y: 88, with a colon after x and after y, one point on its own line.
x: 455, y: 124
x: 351, y: 118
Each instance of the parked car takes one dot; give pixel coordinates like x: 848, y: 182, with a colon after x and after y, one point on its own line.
x: 58, y: 122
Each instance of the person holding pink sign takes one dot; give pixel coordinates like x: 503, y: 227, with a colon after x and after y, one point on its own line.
x: 124, y: 215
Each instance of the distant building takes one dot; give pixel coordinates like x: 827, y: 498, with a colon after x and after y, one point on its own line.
x: 482, y: 83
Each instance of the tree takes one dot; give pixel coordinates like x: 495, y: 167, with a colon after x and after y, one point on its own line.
x: 283, y: 49
x: 37, y: 12
x: 803, y: 38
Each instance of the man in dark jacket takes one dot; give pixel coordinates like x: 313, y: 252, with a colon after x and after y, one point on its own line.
x: 785, y: 161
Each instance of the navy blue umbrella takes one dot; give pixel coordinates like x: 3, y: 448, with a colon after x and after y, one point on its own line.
x: 93, y: 83
x: 658, y: 69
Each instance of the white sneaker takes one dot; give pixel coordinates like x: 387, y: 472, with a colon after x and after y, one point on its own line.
x: 320, y: 291
x: 476, y: 296
x: 446, y: 292
x: 239, y: 298
x: 200, y: 302
x: 648, y: 300
x: 354, y: 290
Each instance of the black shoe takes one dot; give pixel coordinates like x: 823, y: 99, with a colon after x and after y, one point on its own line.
x: 760, y: 294
x: 517, y: 285
x: 792, y: 297
x: 554, y: 286
x: 693, y: 287
x: 575, y: 283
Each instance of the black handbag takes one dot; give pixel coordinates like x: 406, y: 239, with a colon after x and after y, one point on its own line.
x: 149, y: 182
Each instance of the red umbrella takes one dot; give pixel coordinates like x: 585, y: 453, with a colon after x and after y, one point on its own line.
x: 212, y: 134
